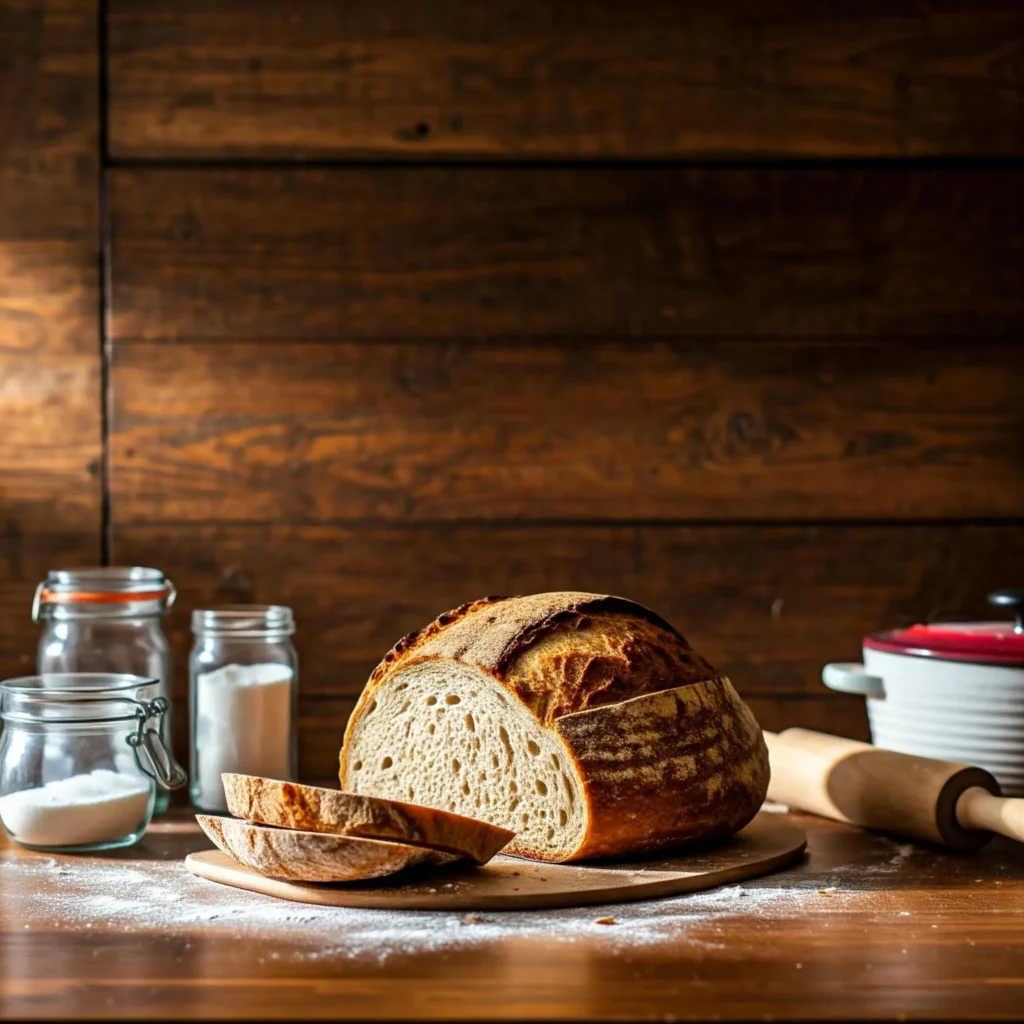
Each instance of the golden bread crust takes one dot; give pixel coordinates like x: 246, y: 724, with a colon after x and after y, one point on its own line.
x: 313, y: 856
x: 560, y: 652
x: 666, y: 750
x: 600, y: 658
x: 313, y: 809
x: 687, y: 765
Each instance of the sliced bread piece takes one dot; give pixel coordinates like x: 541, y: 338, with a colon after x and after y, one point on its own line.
x: 313, y: 809
x: 313, y: 856
x: 584, y: 723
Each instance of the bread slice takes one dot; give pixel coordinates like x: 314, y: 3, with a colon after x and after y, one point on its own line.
x: 313, y: 856
x: 312, y: 809
x: 584, y: 723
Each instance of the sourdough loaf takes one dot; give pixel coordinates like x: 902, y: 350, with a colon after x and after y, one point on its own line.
x: 313, y: 809
x: 584, y: 723
x: 313, y: 856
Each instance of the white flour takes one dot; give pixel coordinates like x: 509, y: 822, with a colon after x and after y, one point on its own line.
x: 243, y: 724
x: 101, y: 806
x: 163, y: 896
x: 137, y: 896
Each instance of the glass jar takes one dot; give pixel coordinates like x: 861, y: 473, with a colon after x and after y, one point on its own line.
x: 243, y: 698
x: 81, y: 759
x: 107, y: 619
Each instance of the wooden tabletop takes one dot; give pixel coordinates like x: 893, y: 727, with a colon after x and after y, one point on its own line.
x: 865, y: 927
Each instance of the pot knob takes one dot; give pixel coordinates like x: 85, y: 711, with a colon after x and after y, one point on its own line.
x: 1014, y: 600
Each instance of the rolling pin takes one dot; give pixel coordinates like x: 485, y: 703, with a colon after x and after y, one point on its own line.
x: 938, y: 801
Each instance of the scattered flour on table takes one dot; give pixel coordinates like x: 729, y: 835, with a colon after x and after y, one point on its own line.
x: 162, y: 895
x: 136, y: 896
x: 903, y: 852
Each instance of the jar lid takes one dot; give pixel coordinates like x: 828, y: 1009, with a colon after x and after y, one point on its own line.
x: 75, y: 697
x: 87, y: 700
x: 997, y: 643
x: 109, y: 590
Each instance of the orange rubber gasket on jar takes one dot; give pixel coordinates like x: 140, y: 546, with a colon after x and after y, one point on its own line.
x: 99, y: 597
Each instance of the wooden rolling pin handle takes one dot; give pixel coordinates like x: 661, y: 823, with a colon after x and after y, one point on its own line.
x: 905, y: 795
x: 978, y: 809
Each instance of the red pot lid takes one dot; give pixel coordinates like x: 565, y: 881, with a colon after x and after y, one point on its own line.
x: 996, y: 643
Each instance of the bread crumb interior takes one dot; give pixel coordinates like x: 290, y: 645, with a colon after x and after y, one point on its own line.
x: 448, y: 736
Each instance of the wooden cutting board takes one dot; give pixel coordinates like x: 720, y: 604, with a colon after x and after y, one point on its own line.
x: 507, y: 883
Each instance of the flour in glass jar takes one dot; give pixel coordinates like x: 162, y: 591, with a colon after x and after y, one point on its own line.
x: 243, y: 715
x: 100, y: 806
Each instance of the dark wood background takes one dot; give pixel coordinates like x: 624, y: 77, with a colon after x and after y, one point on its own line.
x: 376, y: 307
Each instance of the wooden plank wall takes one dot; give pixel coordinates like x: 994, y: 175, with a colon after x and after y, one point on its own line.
x: 562, y: 79
x: 50, y: 366
x: 715, y: 305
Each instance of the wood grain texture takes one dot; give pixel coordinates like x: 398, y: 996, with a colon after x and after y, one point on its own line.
x: 554, y: 252
x: 48, y: 122
x: 528, y: 78
x: 767, y: 605
x: 29, y: 548
x: 374, y: 392
x: 50, y: 403
x: 315, y: 432
x: 878, y: 930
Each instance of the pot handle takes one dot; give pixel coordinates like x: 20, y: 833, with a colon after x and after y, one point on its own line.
x: 1012, y: 599
x: 850, y: 677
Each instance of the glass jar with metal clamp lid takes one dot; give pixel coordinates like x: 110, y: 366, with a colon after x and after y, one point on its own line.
x: 107, y: 619
x: 81, y: 759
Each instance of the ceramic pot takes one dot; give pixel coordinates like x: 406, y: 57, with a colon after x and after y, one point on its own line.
x: 953, y: 691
